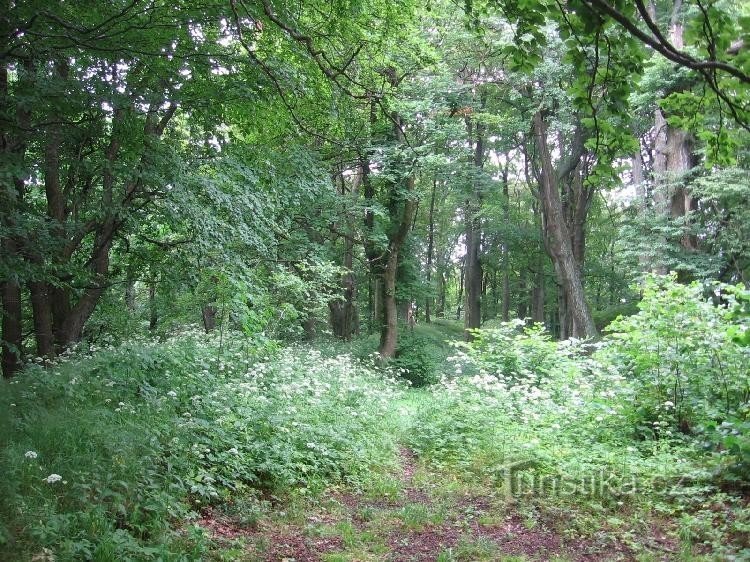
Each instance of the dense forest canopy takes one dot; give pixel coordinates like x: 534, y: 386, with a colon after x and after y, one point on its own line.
x: 460, y: 159
x: 274, y: 172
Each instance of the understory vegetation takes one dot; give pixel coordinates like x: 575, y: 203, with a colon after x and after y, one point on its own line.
x: 119, y: 452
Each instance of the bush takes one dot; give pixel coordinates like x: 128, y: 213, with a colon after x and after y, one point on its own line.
x: 417, y: 357
x: 678, y: 351
x: 690, y: 368
x: 514, y: 352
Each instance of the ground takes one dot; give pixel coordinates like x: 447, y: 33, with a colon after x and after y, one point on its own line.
x: 415, y: 514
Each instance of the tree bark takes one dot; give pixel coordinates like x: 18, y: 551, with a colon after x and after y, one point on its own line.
x: 560, y: 246
x: 153, y: 311
x: 12, y: 186
x: 537, y: 293
x: 42, y: 312
x: 130, y: 294
x: 430, y: 248
x: 673, y: 157
x: 208, y: 313
x: 523, y: 299
x: 397, y: 237
x: 473, y: 233
x: 505, y: 253
x: 344, y: 316
x: 460, y: 299
x: 11, y: 322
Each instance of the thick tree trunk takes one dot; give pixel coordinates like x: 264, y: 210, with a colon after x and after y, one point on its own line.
x: 562, y: 315
x: 68, y: 320
x: 473, y: 233
x: 389, y: 326
x: 12, y: 326
x: 12, y: 186
x: 42, y: 312
x: 561, y: 248
x: 673, y: 157
x: 208, y: 314
x: 72, y: 326
x: 153, y: 311
x: 389, y: 323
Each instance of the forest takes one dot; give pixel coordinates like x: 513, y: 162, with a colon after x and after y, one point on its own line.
x: 375, y: 280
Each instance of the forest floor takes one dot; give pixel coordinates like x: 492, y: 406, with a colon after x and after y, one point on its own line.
x: 418, y: 512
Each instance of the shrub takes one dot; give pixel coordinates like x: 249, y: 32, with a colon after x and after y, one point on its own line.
x: 679, y: 352
x: 417, y: 357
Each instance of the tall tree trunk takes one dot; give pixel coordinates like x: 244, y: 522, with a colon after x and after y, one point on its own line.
x: 673, y: 157
x: 344, y: 316
x: 537, y: 293
x: 389, y: 325
x: 11, y: 321
x: 561, y: 248
x: 42, y: 312
x: 473, y: 233
x: 505, y: 253
x: 153, y: 311
x: 523, y: 299
x: 505, y: 313
x: 430, y: 248
x: 130, y: 294
x: 460, y: 299
x: 441, y: 292
x: 12, y: 186
x: 384, y: 268
x: 562, y: 315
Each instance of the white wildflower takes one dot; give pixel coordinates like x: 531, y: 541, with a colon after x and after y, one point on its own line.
x: 52, y: 478
x: 31, y: 455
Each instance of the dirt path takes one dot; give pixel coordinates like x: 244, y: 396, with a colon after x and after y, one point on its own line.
x: 416, y: 515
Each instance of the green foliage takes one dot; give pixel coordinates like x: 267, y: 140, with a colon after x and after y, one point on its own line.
x: 514, y: 352
x: 144, y: 434
x: 417, y: 358
x: 686, y: 355
x: 687, y: 370
x: 601, y: 427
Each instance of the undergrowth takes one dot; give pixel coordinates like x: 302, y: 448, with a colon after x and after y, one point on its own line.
x: 109, y: 454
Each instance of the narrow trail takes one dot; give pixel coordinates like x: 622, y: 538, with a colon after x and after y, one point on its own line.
x: 410, y: 515
x: 414, y: 512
